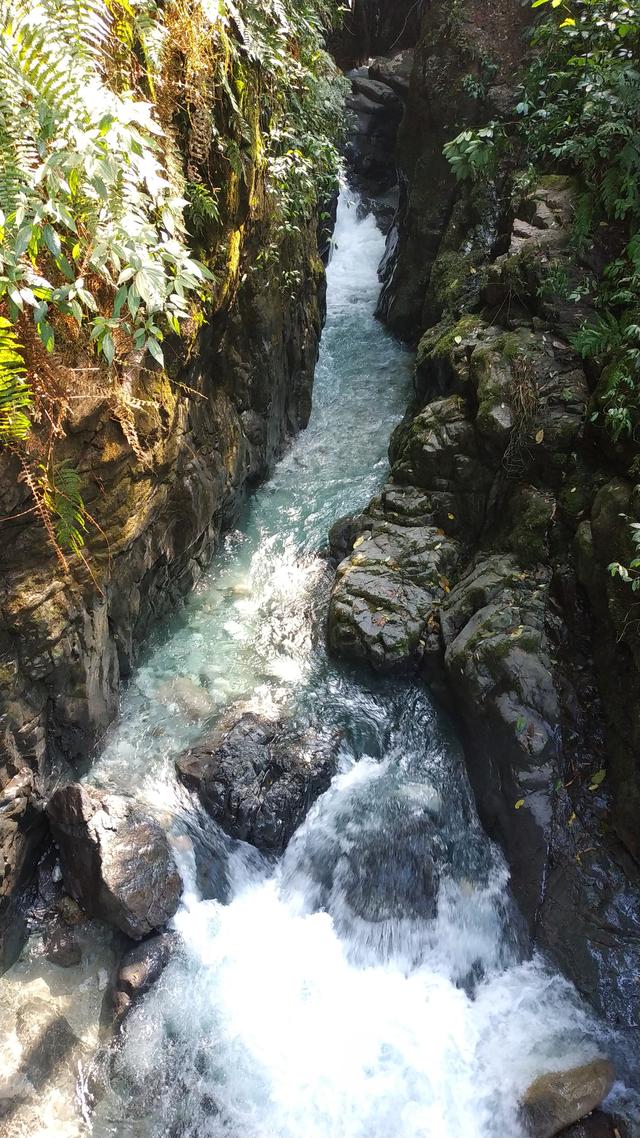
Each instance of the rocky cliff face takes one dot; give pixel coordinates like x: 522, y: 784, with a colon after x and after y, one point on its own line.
x: 483, y: 563
x: 165, y: 463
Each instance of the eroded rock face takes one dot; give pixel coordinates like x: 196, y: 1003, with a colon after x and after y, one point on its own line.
x: 498, y: 659
x: 257, y: 777
x: 558, y: 1099
x: 116, y: 861
x: 22, y: 830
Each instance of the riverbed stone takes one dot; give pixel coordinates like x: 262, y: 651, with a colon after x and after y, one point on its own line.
x: 116, y: 860
x: 257, y: 776
x: 560, y: 1098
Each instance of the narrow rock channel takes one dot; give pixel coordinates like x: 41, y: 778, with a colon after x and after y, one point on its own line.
x: 371, y: 982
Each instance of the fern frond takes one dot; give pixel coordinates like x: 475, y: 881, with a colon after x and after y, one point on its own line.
x: 16, y: 397
x: 60, y: 484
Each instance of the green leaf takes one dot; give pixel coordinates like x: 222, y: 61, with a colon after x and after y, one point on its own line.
x: 597, y: 779
x: 107, y: 347
x: 155, y: 350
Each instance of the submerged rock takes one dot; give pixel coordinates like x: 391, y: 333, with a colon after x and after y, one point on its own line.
x: 187, y: 696
x: 61, y: 947
x: 140, y: 967
x: 116, y: 861
x: 257, y: 777
x: 560, y: 1098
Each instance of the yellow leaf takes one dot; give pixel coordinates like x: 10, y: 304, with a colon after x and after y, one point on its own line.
x: 519, y: 804
x: 457, y: 339
x: 568, y: 23
x: 540, y: 436
x: 451, y: 517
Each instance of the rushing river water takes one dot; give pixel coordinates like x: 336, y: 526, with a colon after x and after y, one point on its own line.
x: 325, y: 995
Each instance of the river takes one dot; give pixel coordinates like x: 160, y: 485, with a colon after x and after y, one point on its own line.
x: 325, y: 994
x: 322, y: 996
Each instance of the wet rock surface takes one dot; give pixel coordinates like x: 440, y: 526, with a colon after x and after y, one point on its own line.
x: 257, y: 777
x: 139, y: 969
x: 22, y: 835
x: 116, y: 861
x: 560, y: 1098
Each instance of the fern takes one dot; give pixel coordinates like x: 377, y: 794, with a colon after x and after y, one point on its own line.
x: 81, y: 181
x: 15, y: 393
x: 60, y: 493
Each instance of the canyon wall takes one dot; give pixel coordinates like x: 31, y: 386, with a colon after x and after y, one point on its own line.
x: 482, y: 565
x: 165, y: 461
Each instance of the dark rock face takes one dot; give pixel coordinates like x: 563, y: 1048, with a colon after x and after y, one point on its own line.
x: 116, y: 861
x: 376, y: 27
x: 376, y: 107
x: 257, y: 777
x: 139, y: 970
x: 438, y: 107
x: 498, y: 659
x: 558, y: 1099
x: 22, y: 831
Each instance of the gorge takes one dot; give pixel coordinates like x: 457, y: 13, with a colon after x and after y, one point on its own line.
x: 353, y: 848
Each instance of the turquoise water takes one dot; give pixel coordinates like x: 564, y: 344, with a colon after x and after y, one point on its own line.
x: 249, y: 632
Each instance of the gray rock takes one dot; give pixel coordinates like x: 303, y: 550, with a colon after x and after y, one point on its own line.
x: 438, y: 452
x: 377, y: 92
x: 499, y: 662
x: 257, y: 777
x: 394, y: 72
x: 139, y: 970
x: 343, y: 533
x: 385, y: 592
x: 560, y: 1098
x: 116, y: 861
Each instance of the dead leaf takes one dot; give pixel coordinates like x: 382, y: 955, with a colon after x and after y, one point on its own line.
x: 540, y: 436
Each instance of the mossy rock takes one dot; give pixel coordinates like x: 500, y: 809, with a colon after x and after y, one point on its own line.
x: 531, y: 515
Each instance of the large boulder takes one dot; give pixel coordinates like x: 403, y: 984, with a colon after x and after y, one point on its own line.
x: 386, y: 591
x: 560, y: 1098
x: 257, y: 777
x: 499, y: 662
x: 438, y: 452
x: 116, y: 861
